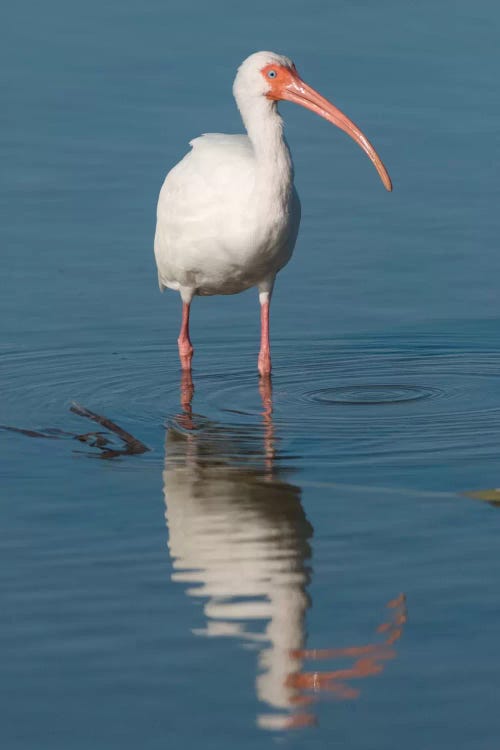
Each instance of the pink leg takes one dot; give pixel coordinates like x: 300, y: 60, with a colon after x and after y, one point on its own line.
x: 265, y: 348
x: 184, y: 342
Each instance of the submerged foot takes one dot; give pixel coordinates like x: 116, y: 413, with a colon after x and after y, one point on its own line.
x: 185, y: 355
x: 264, y: 364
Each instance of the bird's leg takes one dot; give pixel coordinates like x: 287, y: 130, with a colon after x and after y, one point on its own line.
x: 184, y: 342
x: 265, y: 348
x: 264, y: 362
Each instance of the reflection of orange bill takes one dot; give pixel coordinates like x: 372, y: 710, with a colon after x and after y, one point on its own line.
x: 369, y: 660
x: 399, y: 601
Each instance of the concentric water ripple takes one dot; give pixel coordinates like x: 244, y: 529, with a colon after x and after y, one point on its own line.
x: 381, y: 402
x: 366, y: 395
x: 388, y: 399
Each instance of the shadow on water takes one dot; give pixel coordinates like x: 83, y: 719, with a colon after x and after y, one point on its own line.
x: 239, y: 539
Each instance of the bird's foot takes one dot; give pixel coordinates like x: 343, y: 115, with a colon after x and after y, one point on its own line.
x: 185, y: 355
x: 264, y: 364
x: 186, y: 363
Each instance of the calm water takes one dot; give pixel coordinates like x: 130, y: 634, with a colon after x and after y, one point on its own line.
x: 314, y: 566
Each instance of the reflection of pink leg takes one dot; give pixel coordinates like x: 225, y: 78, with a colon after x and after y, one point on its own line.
x: 187, y: 391
x: 184, y: 342
x: 265, y: 349
x: 266, y: 393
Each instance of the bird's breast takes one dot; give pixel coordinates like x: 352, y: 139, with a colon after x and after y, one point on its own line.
x: 248, y: 251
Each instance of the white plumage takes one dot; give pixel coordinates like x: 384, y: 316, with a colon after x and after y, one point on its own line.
x: 228, y: 213
x: 215, y: 235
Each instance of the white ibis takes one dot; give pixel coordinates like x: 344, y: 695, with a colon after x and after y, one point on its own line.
x: 228, y: 212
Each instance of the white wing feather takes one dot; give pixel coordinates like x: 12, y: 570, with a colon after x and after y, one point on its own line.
x: 209, y: 238
x: 198, y: 199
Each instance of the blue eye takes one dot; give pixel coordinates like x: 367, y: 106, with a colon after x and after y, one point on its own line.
x: 272, y: 74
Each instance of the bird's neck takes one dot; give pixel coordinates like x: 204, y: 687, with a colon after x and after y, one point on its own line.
x: 274, y: 173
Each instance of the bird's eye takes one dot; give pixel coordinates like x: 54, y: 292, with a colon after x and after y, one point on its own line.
x: 272, y: 74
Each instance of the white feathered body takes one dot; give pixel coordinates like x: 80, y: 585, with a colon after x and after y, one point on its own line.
x: 225, y: 220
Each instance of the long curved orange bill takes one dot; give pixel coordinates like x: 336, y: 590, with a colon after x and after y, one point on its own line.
x: 299, y: 92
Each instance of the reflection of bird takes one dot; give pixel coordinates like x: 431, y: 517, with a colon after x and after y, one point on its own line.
x: 228, y: 214
x: 239, y: 538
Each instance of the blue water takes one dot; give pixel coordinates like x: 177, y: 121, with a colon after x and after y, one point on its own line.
x: 229, y: 587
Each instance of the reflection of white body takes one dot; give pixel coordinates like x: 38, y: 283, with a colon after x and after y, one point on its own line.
x: 239, y: 540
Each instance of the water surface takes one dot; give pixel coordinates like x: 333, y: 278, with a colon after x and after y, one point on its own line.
x: 313, y: 563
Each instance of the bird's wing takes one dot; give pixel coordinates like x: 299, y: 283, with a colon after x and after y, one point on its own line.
x: 223, y: 140
x: 217, y: 163
x: 224, y: 162
x: 201, y: 198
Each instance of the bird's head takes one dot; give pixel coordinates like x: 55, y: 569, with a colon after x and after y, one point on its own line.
x: 275, y: 77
